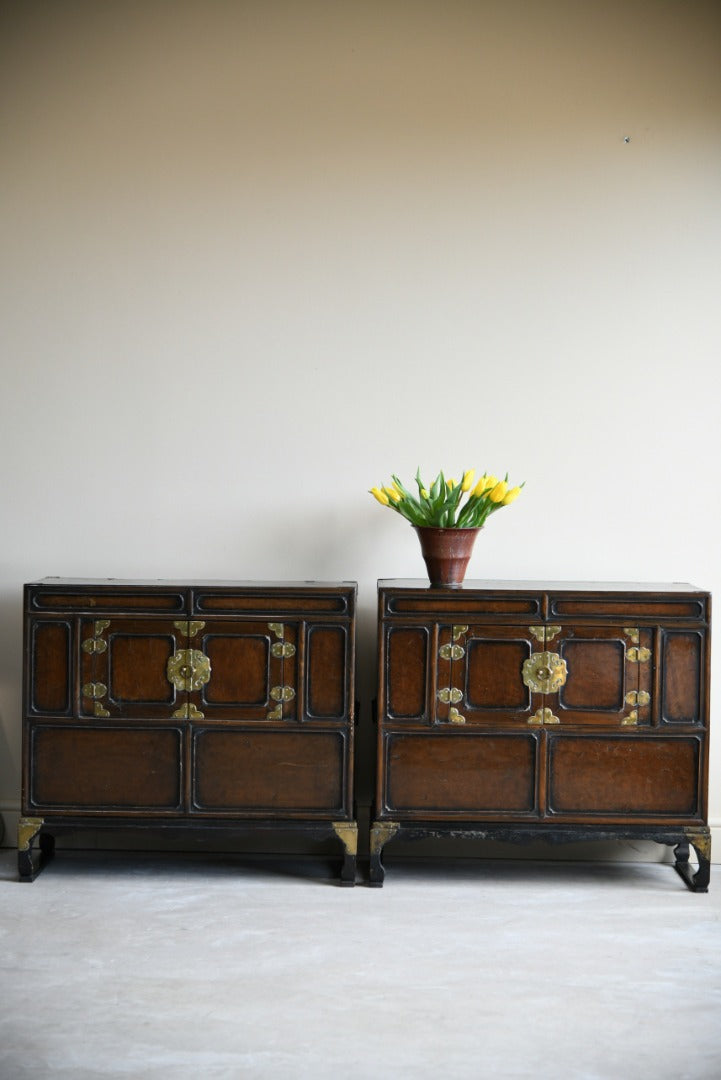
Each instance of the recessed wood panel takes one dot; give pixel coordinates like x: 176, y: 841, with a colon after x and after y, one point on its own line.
x: 494, y: 674
x: 617, y: 775
x: 106, y: 768
x: 325, y: 658
x: 456, y: 606
x: 642, y: 608
x: 239, y: 667
x: 406, y: 671
x: 268, y: 771
x: 227, y: 603
x: 433, y: 774
x: 108, y: 601
x: 681, y: 683
x: 137, y: 668
x: 51, y: 667
x: 596, y: 675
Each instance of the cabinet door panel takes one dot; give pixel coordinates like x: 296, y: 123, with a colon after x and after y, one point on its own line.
x: 108, y: 769
x: 623, y: 775
x: 268, y: 771
x: 406, y: 672
x: 253, y: 670
x: 606, y: 668
x: 487, y: 668
x: 124, y: 668
x: 477, y: 773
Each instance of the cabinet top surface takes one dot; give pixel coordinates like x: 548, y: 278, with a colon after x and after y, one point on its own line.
x: 422, y: 585
x: 187, y: 583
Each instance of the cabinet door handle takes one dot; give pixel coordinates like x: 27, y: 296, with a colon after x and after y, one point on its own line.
x: 544, y: 672
x: 188, y: 669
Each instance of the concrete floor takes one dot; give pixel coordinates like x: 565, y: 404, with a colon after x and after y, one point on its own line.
x: 120, y: 965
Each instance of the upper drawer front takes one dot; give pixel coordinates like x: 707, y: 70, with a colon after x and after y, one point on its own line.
x: 659, y: 608
x: 113, y: 599
x: 270, y: 603
x: 448, y: 607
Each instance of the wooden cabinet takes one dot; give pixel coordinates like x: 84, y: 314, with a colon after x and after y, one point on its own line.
x: 193, y: 704
x: 557, y: 711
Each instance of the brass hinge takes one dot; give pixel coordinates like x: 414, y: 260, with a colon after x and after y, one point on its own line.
x: 282, y: 649
x: 97, y: 644
x: 638, y: 655
x: 638, y: 697
x: 450, y: 695
x: 451, y: 652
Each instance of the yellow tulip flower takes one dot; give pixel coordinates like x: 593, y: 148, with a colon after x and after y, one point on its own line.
x: 393, y: 494
x: 511, y: 496
x: 451, y: 483
x: 498, y: 493
x: 424, y: 493
x: 380, y: 496
x: 467, y: 481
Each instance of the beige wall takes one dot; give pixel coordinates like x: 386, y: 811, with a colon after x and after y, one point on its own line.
x: 257, y: 255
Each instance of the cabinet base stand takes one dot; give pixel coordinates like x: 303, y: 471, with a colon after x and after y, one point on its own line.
x: 36, y: 836
x: 680, y: 838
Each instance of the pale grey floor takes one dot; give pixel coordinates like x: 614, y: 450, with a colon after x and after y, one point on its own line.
x: 222, y: 967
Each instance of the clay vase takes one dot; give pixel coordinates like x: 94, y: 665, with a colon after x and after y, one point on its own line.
x: 446, y: 553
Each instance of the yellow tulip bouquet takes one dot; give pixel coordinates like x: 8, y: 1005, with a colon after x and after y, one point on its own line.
x: 442, y: 505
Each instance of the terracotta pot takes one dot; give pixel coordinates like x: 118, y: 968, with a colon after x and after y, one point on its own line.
x: 446, y: 553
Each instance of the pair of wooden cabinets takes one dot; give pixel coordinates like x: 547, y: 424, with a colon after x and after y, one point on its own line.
x: 504, y: 711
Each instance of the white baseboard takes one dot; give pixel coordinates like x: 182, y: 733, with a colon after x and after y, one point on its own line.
x: 623, y: 851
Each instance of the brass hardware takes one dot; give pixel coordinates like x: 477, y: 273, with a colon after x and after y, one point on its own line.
x: 189, y: 629
x: 98, y: 710
x: 381, y: 833
x: 188, y: 712
x: 701, y: 840
x: 459, y: 631
x: 277, y: 628
x: 275, y: 714
x: 543, y: 716
x: 28, y: 829
x: 544, y: 672
x: 631, y: 720
x: 448, y: 694
x: 451, y: 652
x: 347, y: 833
x: 455, y: 717
x: 94, y: 690
x: 188, y: 669
x: 282, y: 648
x: 97, y: 644
x: 638, y: 656
x: 638, y: 697
x: 282, y: 693
x: 632, y: 632
x: 544, y: 633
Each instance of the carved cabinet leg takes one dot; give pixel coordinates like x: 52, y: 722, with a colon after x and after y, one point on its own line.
x: 700, y: 840
x: 28, y: 831
x: 381, y: 833
x: 347, y: 833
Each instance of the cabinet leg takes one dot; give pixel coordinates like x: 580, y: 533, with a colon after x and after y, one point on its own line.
x: 700, y: 840
x: 381, y: 833
x: 28, y: 832
x: 347, y: 833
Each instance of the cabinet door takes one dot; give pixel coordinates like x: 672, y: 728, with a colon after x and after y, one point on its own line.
x: 480, y: 675
x: 603, y: 675
x: 250, y: 670
x: 127, y: 665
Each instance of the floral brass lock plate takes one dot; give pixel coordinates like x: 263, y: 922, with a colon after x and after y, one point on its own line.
x: 544, y: 672
x: 188, y: 669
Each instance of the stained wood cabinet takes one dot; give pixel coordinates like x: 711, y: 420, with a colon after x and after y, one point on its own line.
x: 194, y: 704
x: 562, y: 711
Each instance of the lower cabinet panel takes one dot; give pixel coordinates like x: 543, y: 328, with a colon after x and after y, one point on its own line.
x: 477, y: 773
x: 106, y: 769
x: 268, y: 771
x: 623, y: 775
